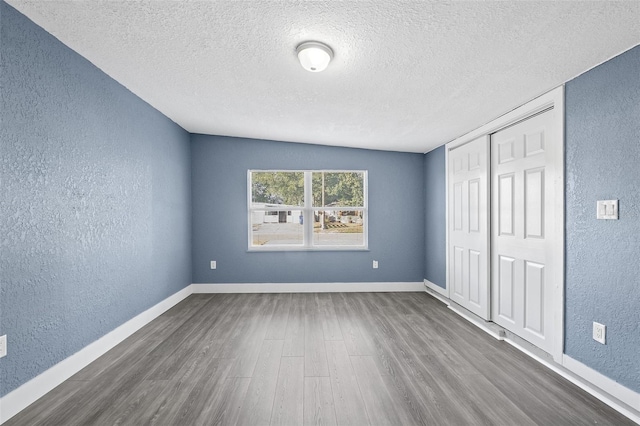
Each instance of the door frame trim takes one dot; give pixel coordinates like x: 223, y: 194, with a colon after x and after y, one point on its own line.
x: 447, y: 285
x: 554, y: 99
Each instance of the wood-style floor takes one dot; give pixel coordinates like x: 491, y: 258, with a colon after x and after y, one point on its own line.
x: 321, y: 359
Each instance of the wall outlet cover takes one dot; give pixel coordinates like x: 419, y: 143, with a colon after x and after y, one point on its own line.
x: 3, y: 346
x: 599, y: 333
x: 214, y: 264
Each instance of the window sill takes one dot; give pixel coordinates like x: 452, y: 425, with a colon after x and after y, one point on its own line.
x: 306, y: 249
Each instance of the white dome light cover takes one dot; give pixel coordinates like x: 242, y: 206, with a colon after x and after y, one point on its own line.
x: 314, y: 56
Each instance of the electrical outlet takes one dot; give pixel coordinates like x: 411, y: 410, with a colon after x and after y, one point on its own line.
x: 214, y: 264
x: 375, y: 264
x: 599, y: 333
x: 3, y: 346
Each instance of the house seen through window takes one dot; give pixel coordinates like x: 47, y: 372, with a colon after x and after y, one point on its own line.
x: 306, y: 210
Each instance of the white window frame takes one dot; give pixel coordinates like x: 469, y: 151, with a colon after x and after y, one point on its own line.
x: 308, y: 213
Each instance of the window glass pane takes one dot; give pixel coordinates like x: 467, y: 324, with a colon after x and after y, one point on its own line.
x: 276, y: 228
x: 335, y: 189
x: 338, y: 228
x: 275, y: 188
x: 333, y: 216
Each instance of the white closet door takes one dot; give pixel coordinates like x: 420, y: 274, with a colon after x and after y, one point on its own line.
x: 523, y: 170
x: 468, y: 247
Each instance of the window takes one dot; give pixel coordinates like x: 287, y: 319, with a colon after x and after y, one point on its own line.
x: 307, y: 210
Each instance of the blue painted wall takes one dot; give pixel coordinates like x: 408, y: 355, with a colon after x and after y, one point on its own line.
x: 95, y: 207
x: 603, y: 257
x: 219, y: 176
x: 435, y: 186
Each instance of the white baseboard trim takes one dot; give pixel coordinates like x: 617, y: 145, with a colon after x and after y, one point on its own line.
x: 20, y: 398
x: 308, y: 287
x: 437, y: 289
x: 615, y: 395
x: 611, y: 387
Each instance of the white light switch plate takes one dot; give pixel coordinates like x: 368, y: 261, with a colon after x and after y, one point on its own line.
x: 214, y: 264
x: 607, y: 209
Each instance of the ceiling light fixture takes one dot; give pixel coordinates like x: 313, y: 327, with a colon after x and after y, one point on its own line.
x: 314, y: 56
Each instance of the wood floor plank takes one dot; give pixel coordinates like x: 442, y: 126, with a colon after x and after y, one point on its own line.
x: 207, y: 389
x: 315, y: 355
x: 174, y: 318
x: 258, y: 403
x: 147, y: 338
x: 347, y: 398
x: 422, y: 326
x: 191, y: 340
x: 294, y: 334
x: 289, y: 399
x: 533, y: 400
x: 114, y: 356
x: 241, y: 321
x: 146, y: 406
x: 230, y: 310
x: 417, y: 403
x: 391, y: 358
x: 250, y: 346
x: 328, y: 319
x: 57, y: 399
x: 96, y: 396
x: 176, y: 397
x: 440, y: 390
x: 404, y: 358
x: 418, y: 338
x: 542, y: 394
x: 418, y: 390
x: 490, y: 405
x: 355, y: 342
x: 278, y: 324
x: 446, y: 357
x: 224, y: 406
x: 408, y: 302
x: 404, y: 364
x: 396, y: 303
x: 363, y: 318
x: 318, y: 402
x: 377, y: 400
x: 174, y: 338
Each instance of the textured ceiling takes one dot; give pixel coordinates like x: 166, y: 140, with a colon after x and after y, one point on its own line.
x: 407, y: 76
